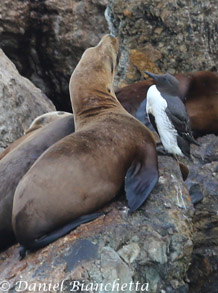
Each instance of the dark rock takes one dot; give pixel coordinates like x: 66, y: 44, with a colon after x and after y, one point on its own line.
x: 45, y: 40
x: 203, y: 179
x: 195, y: 193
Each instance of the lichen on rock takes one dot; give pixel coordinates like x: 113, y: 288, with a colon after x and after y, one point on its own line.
x: 172, y: 36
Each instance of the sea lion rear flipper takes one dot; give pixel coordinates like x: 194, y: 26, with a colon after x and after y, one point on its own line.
x: 53, y: 236
x: 140, y: 179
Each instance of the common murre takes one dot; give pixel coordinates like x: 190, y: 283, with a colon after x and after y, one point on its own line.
x: 168, y: 114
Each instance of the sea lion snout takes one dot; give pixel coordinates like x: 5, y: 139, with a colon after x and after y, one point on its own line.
x: 109, y: 39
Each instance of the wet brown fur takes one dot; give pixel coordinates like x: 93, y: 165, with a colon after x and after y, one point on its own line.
x: 202, y: 102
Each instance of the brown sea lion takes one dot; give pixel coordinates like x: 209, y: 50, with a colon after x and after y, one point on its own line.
x: 85, y: 170
x: 45, y: 119
x: 202, y: 102
x: 37, y: 123
x: 18, y: 161
x: 198, y: 90
x: 131, y: 96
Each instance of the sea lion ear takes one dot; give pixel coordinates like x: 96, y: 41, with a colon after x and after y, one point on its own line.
x: 141, y: 178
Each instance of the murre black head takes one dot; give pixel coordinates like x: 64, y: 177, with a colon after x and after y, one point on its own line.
x: 165, y: 83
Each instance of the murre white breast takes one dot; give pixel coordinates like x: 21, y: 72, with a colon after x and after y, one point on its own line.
x: 156, y: 106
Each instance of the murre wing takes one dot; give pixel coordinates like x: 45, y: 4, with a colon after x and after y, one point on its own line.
x: 178, y: 115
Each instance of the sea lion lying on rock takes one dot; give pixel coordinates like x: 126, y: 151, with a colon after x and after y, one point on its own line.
x: 16, y: 162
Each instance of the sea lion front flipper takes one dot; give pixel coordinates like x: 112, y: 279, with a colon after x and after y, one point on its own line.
x: 141, y: 178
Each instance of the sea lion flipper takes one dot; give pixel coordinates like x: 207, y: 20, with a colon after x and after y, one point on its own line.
x: 53, y: 236
x: 139, y: 182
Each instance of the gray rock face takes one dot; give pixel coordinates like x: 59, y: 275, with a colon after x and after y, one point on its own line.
x: 45, y: 40
x: 150, y: 248
x: 20, y: 102
x: 160, y: 36
x: 204, y: 179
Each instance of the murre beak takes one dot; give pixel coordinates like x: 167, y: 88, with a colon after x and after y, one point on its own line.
x: 152, y: 75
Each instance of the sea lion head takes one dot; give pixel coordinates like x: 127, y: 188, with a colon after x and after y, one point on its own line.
x: 45, y: 119
x: 91, y: 83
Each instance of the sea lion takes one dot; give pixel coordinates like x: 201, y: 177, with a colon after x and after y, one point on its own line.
x: 18, y: 161
x: 45, y: 119
x: 131, y: 96
x: 85, y: 170
x: 37, y: 123
x: 202, y: 102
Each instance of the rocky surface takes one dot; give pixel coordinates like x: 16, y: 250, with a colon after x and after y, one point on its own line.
x: 153, y: 246
x: 156, y: 35
x: 20, y: 102
x: 45, y: 39
x: 203, y: 182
